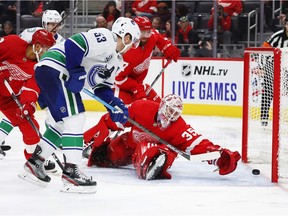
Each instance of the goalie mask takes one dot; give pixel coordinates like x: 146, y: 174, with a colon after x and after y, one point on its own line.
x: 170, y: 109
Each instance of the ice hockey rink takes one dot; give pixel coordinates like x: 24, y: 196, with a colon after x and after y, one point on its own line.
x: 194, y: 189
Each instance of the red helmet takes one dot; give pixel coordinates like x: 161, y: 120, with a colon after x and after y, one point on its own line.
x: 143, y: 22
x: 43, y: 37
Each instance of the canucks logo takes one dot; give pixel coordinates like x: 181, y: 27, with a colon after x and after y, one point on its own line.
x: 99, y: 71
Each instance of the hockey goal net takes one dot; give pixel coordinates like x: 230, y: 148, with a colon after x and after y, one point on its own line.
x: 265, y: 109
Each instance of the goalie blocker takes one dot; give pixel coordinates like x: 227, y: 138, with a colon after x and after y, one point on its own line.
x: 151, y: 159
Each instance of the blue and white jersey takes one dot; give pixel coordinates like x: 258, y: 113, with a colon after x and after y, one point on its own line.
x: 95, y: 50
x: 28, y: 33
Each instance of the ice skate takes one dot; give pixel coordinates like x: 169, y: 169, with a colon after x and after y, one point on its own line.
x: 87, y: 151
x: 34, y: 170
x: 155, y: 167
x: 75, y: 181
x: 3, y: 148
x: 50, y: 167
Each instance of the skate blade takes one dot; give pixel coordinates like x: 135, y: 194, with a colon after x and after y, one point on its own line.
x: 26, y: 176
x: 54, y: 171
x: 70, y: 188
x: 157, y: 167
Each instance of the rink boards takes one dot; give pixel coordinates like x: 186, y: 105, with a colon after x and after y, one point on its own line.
x: 207, y: 86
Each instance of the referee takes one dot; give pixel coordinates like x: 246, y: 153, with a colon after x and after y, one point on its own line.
x: 278, y: 40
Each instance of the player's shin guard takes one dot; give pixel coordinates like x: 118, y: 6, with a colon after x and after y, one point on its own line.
x: 152, y: 161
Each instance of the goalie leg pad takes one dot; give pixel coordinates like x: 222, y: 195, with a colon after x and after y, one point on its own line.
x: 152, y: 161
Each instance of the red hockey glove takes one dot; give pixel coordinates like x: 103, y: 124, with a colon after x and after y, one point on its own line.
x: 139, y: 92
x: 172, y: 52
x: 4, y: 75
x: 27, y: 110
x: 227, y: 163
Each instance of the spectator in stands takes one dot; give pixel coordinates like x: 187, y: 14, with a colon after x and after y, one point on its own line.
x: 100, y: 22
x: 168, y: 31
x: 146, y: 8
x: 231, y: 7
x: 7, y: 29
x: 278, y: 22
x: 128, y: 14
x: 111, y: 13
x: 156, y: 23
x: 164, y: 14
x: 223, y: 26
x: 8, y: 11
x: 186, y: 36
x: 204, y: 48
x: 57, y: 5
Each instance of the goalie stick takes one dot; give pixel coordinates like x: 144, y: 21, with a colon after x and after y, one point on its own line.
x: 192, y: 158
x: 158, y: 76
x: 29, y: 119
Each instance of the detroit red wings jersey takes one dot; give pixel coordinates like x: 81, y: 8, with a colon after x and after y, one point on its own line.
x: 13, y: 58
x: 138, y: 61
x: 179, y: 133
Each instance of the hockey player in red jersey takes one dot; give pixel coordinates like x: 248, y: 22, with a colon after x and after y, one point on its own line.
x: 151, y: 158
x: 17, y: 60
x: 129, y: 82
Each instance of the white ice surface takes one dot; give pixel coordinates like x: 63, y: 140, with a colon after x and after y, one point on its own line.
x: 194, y: 189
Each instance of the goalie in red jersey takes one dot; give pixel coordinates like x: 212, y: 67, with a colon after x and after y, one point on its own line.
x: 129, y: 82
x: 151, y: 158
x: 17, y: 60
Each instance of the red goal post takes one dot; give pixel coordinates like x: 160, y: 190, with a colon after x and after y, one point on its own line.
x: 265, y: 109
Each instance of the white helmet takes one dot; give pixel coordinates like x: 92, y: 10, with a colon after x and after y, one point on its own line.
x: 170, y: 109
x: 50, y: 16
x: 123, y: 26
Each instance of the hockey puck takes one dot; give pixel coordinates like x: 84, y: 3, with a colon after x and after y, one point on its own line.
x: 256, y: 172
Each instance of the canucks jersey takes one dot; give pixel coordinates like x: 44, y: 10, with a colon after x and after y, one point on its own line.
x: 27, y: 35
x: 95, y: 50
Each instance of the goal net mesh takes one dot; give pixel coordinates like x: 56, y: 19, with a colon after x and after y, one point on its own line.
x: 265, y: 109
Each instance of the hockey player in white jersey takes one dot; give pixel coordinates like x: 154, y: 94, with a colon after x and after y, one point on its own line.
x: 50, y: 19
x: 89, y: 58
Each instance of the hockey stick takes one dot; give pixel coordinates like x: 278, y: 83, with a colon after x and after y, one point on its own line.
x: 64, y: 18
x: 193, y: 158
x: 29, y: 119
x: 158, y: 76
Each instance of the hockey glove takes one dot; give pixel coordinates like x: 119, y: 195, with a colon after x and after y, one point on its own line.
x: 76, y: 79
x: 139, y: 92
x: 27, y: 110
x: 172, y: 52
x: 227, y: 163
x: 121, y: 113
x: 4, y: 75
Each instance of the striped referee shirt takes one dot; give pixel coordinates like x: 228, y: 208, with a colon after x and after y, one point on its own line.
x: 278, y: 39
